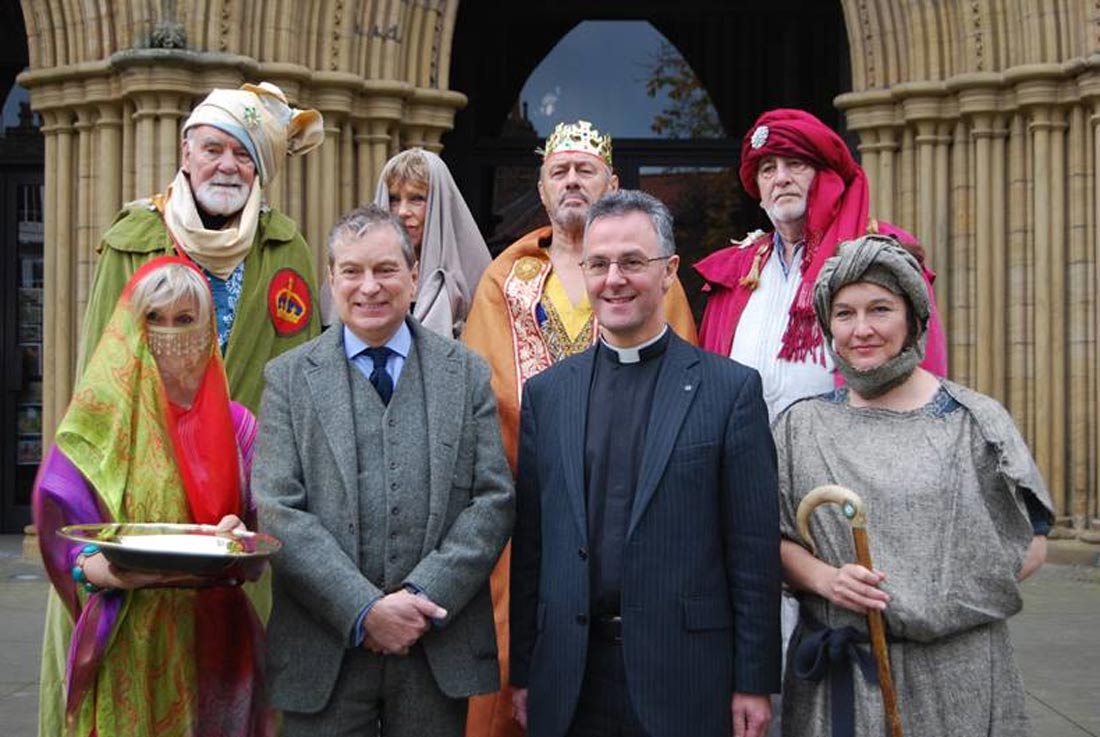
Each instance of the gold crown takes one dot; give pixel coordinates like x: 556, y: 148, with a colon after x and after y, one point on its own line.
x: 579, y: 136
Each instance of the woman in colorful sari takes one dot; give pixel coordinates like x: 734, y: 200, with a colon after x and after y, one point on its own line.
x: 956, y: 515
x: 150, y: 436
x: 418, y: 188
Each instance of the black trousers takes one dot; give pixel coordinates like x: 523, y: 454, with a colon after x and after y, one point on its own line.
x: 604, y: 708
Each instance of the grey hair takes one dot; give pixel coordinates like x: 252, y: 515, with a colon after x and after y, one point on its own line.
x: 626, y: 201
x: 363, y: 219
x: 167, y: 285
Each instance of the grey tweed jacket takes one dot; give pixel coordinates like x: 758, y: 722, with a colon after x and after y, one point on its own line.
x: 304, y: 479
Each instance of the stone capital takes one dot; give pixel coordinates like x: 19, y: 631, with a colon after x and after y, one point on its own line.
x: 1036, y: 84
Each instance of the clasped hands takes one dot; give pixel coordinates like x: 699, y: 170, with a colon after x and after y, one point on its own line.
x: 397, y: 621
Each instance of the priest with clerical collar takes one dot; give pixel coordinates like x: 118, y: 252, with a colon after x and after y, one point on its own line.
x: 644, y: 571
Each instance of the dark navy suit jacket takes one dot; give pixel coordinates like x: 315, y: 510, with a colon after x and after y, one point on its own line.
x: 701, y: 572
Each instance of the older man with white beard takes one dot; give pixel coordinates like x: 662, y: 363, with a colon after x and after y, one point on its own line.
x: 259, y: 268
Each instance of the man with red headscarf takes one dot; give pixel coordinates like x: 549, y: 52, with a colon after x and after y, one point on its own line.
x: 760, y: 311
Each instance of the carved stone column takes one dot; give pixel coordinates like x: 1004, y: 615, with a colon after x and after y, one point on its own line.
x: 85, y: 203
x: 59, y: 336
x: 954, y: 279
x: 430, y: 115
x: 1037, y: 91
x: 924, y: 113
x: 978, y: 103
x: 1021, y: 312
x: 1080, y: 271
x: 1089, y: 84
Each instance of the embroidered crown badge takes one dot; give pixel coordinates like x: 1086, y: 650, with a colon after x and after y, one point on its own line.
x: 289, y: 302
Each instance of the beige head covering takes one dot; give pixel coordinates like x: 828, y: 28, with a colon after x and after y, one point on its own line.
x: 453, y: 254
x: 259, y: 117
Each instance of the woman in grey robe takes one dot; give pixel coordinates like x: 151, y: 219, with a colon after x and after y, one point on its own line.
x: 956, y: 514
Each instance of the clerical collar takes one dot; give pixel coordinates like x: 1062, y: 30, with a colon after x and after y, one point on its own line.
x: 652, y: 348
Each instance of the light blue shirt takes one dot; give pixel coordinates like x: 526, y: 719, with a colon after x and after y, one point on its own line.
x: 781, y: 252
x: 400, y: 343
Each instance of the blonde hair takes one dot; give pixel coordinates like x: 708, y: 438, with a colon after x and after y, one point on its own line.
x: 407, y: 166
x: 167, y: 285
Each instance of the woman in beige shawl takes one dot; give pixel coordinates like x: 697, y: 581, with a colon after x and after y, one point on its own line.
x: 418, y: 188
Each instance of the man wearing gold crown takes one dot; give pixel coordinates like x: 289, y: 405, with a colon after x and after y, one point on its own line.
x: 529, y: 312
x: 257, y: 264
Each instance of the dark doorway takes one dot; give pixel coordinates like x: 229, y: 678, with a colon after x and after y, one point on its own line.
x: 21, y: 279
x: 746, y: 57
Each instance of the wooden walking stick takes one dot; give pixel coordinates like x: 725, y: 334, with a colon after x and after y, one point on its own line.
x: 852, y: 506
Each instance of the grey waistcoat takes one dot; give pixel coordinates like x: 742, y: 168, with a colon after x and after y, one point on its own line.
x: 392, y: 458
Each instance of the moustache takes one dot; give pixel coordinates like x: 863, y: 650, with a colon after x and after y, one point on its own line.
x: 567, y: 195
x: 226, y: 180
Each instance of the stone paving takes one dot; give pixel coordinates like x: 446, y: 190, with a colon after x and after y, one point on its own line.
x: 1056, y: 638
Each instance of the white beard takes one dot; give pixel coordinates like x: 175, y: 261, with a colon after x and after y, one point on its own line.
x: 217, y: 199
x: 787, y: 212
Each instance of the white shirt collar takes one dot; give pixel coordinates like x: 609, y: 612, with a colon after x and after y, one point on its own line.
x: 633, y: 354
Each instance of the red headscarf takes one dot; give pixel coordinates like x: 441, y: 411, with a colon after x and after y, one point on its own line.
x: 836, y: 209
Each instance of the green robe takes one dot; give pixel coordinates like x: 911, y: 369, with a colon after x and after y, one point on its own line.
x: 138, y: 234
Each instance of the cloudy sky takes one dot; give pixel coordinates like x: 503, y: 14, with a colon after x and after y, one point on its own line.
x: 11, y: 105
x: 579, y: 79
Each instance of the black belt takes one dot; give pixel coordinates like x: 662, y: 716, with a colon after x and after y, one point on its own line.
x: 824, y: 651
x: 607, y: 629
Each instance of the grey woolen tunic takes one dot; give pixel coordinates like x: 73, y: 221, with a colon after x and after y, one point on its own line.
x: 943, y: 489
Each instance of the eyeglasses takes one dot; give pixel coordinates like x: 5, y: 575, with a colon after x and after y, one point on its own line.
x: 628, y: 265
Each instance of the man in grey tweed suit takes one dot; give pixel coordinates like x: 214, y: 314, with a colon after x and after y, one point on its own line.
x: 645, y: 559
x: 380, y: 467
